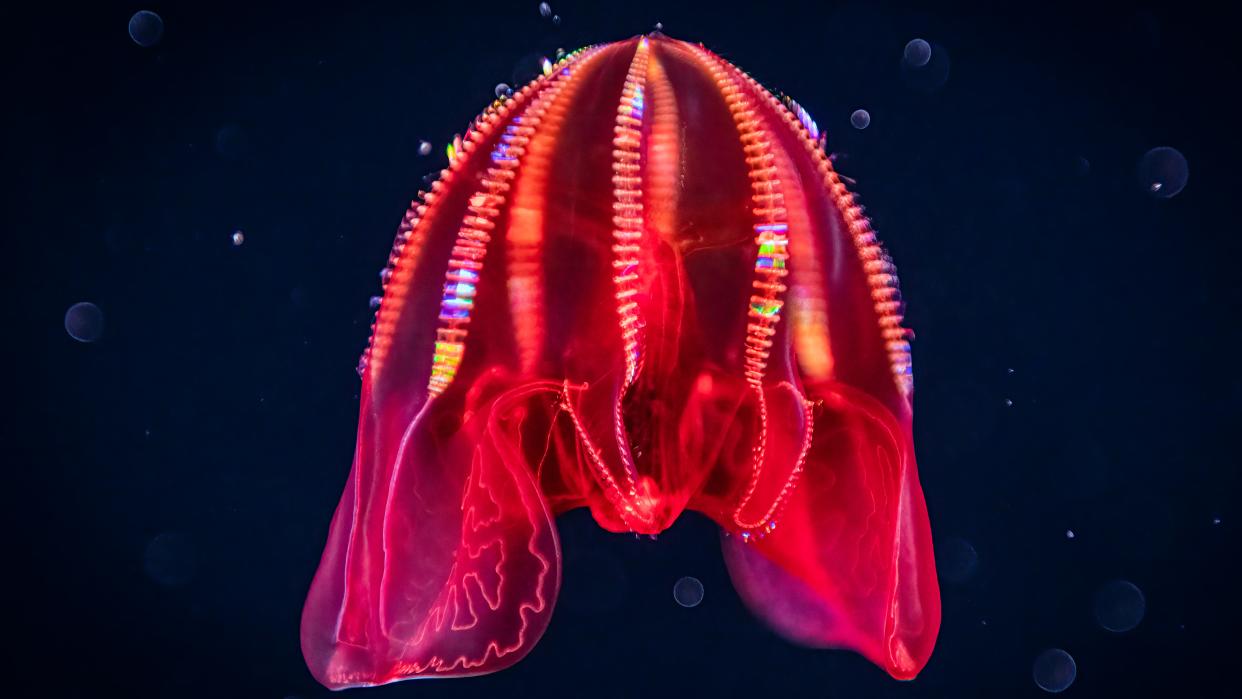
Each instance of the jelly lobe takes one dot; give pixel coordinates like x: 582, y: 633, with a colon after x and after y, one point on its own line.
x: 639, y: 287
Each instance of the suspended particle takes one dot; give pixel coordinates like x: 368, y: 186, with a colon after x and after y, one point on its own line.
x: 917, y: 53
x: 84, y: 322
x: 424, y: 147
x: 238, y: 238
x: 169, y: 559
x: 932, y: 74
x: 1054, y: 670
x: 1163, y: 172
x: 956, y: 560
x: 146, y: 28
x: 688, y: 592
x: 1119, y: 606
x: 556, y: 19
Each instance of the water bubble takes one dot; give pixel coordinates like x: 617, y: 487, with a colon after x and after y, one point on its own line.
x: 545, y: 10
x: 917, y: 53
x: 238, y: 238
x: 503, y: 90
x: 956, y: 559
x: 146, y: 28
x: 170, y: 559
x: 688, y: 592
x: 1054, y: 670
x: 1163, y: 172
x: 84, y: 322
x: 424, y: 147
x: 860, y: 119
x: 1119, y: 606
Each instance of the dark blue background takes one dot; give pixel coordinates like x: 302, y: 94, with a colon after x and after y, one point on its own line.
x: 220, y: 403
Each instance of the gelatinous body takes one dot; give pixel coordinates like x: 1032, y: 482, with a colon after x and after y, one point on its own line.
x: 639, y: 287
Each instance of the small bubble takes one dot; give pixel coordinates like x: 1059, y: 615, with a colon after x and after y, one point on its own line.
x: 503, y: 90
x: 169, y: 559
x: 424, y: 147
x: 1069, y: 533
x: 1163, y: 172
x: 956, y: 560
x: 688, y: 592
x: 917, y: 53
x: 84, y: 322
x: 1054, y: 670
x: 1119, y: 606
x: 238, y: 238
x: 860, y: 119
x: 146, y: 28
x: 545, y: 10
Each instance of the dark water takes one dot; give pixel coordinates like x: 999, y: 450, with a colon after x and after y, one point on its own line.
x: 226, y: 195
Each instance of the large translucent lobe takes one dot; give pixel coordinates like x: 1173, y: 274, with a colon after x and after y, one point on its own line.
x: 442, y: 557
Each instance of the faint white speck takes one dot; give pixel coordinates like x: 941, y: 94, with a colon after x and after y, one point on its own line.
x: 1069, y: 533
x: 238, y: 238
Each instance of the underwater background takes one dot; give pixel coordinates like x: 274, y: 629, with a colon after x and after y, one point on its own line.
x: 220, y: 183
